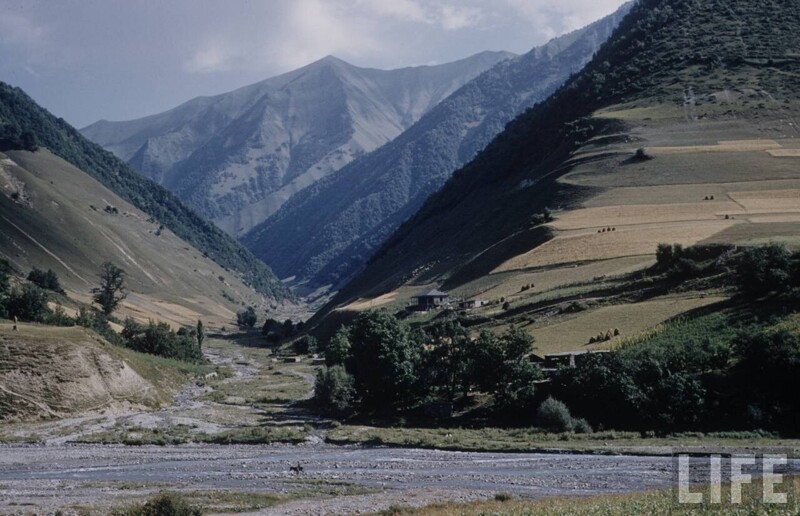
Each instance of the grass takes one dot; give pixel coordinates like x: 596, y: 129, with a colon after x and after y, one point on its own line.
x: 135, y: 436
x: 657, y: 502
x: 536, y: 440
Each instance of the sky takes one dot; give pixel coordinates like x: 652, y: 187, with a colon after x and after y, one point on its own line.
x: 87, y: 60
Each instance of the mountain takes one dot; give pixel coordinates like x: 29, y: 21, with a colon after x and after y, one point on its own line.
x: 20, y: 115
x: 55, y: 216
x: 325, y: 234
x: 682, y: 128
x: 237, y: 157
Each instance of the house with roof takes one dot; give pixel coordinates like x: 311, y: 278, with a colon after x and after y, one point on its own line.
x: 430, y: 299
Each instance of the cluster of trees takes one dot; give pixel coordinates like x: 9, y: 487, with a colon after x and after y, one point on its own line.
x: 29, y: 302
x: 13, y: 138
x: 276, y: 331
x: 159, y: 339
x: 745, y: 382
x: 47, y: 280
x: 755, y: 272
x: 380, y: 364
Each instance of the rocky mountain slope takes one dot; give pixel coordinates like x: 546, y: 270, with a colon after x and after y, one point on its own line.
x: 237, y: 157
x: 326, y: 233
x: 682, y: 128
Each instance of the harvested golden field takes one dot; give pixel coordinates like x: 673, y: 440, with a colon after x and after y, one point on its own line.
x: 367, y: 304
x: 773, y: 219
x: 623, y: 215
x: 631, y: 241
x: 631, y: 319
x: 784, y: 153
x: 508, y: 284
x: 723, y: 146
x: 686, y: 193
x: 769, y: 201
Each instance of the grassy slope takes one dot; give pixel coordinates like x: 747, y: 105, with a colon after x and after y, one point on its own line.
x: 19, y: 110
x: 52, y: 225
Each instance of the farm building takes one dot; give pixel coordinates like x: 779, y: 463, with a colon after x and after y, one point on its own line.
x: 430, y: 299
x: 472, y: 303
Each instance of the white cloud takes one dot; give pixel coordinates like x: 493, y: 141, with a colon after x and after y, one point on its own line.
x: 454, y: 17
x: 20, y: 31
x: 212, y: 58
x: 405, y: 10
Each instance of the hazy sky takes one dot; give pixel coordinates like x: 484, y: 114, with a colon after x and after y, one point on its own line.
x: 119, y: 59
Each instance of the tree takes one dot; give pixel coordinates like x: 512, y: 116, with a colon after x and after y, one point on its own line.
x: 333, y: 391
x: 764, y: 270
x: 28, y: 303
x: 46, y: 280
x: 246, y: 318
x: 338, y: 350
x: 112, y: 288
x: 201, y: 334
x: 553, y: 415
x: 447, y: 365
x: 385, y: 360
x: 5, y: 268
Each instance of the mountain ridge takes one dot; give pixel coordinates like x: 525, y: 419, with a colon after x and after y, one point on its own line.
x: 326, y: 233
x: 238, y: 156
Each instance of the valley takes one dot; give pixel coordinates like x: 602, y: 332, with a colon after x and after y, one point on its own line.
x: 501, y: 284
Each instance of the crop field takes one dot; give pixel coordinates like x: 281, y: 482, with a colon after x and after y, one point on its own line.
x: 509, y: 284
x: 574, y: 333
x: 625, y: 215
x: 630, y: 241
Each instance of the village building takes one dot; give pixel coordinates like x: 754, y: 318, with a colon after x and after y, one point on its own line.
x: 429, y: 300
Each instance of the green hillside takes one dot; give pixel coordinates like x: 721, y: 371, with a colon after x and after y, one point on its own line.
x: 19, y: 114
x: 675, y: 74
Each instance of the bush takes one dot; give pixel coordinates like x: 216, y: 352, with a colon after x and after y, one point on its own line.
x: 338, y: 350
x: 305, y: 345
x: 159, y: 339
x: 46, y: 280
x: 165, y: 504
x: 28, y: 303
x: 581, y: 426
x: 764, y: 270
x: 553, y: 415
x: 246, y: 318
x: 333, y: 391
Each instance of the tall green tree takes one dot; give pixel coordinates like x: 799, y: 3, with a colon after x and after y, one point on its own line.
x: 201, y: 334
x: 385, y: 360
x: 112, y: 290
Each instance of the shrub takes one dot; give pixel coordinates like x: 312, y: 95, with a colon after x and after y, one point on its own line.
x: 581, y: 426
x: 28, y: 303
x: 246, y: 318
x: 553, y: 415
x: 159, y: 339
x: 305, y: 345
x: 165, y: 504
x: 333, y: 391
x: 338, y: 350
x: 46, y: 280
